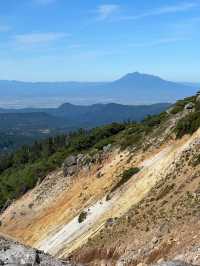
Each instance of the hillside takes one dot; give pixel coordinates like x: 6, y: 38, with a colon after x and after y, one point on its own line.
x: 13, y: 253
x: 23, y: 126
x: 133, y: 89
x: 121, y: 194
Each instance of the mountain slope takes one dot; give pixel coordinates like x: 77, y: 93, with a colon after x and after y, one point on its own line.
x: 134, y: 88
x: 133, y: 199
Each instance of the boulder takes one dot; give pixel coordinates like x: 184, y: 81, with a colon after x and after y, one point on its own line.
x: 107, y: 148
x: 69, y: 165
x: 71, y: 170
x: 74, y: 163
x: 71, y: 160
x: 13, y: 253
x: 189, y: 106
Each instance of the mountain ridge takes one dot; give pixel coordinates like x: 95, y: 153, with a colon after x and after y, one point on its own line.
x: 133, y: 88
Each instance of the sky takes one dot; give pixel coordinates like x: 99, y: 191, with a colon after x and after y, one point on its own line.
x: 93, y: 40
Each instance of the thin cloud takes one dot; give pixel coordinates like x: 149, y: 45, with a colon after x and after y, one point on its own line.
x: 157, y: 42
x: 4, y: 28
x: 74, y: 46
x: 188, y: 28
x: 183, y: 7
x: 106, y: 11
x: 44, y: 2
x: 39, y: 38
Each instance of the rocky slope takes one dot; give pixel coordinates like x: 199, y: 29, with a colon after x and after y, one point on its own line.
x: 85, y: 212
x: 13, y: 253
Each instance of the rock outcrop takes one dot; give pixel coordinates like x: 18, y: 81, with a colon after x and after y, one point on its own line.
x: 74, y: 163
x: 13, y: 253
x: 189, y: 106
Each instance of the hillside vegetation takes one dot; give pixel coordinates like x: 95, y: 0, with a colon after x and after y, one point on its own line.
x: 121, y: 194
x: 23, y: 126
x: 21, y: 170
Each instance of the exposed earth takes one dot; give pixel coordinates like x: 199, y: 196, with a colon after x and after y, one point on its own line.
x: 78, y: 213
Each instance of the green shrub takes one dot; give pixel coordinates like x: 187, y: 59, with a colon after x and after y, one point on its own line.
x: 82, y: 217
x: 188, y: 125
x: 129, y: 173
x: 179, y: 106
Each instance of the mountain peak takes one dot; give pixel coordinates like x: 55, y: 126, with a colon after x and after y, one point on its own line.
x: 138, y: 76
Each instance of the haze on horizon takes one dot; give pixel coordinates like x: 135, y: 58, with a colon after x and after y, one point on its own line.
x: 57, y: 40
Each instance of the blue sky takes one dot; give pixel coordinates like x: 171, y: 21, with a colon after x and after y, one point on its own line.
x: 53, y: 40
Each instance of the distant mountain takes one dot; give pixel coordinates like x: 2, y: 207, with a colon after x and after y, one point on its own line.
x: 24, y: 125
x: 99, y: 114
x: 69, y: 115
x: 133, y: 88
x: 192, y: 84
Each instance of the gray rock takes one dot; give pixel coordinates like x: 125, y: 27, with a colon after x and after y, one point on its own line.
x: 107, y: 148
x: 85, y: 160
x: 80, y: 158
x: 172, y: 263
x: 13, y: 253
x: 71, y: 160
x: 69, y: 165
x: 73, y: 163
x: 189, y: 106
x: 71, y: 170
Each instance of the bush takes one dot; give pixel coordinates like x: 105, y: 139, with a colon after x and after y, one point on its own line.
x: 82, y: 217
x: 188, y: 125
x: 129, y: 173
x: 179, y: 106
